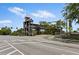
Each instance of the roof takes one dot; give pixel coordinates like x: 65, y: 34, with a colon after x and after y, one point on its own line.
x: 28, y: 19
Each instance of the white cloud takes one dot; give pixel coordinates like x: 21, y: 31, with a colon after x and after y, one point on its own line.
x: 17, y: 11
x: 43, y: 14
x: 5, y: 22
x: 38, y: 14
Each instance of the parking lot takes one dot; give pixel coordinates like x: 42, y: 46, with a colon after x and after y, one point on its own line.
x: 35, y: 45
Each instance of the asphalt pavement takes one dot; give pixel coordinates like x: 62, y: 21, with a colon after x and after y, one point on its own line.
x: 35, y: 45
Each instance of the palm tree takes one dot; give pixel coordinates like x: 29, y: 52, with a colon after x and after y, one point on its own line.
x: 61, y: 23
x: 71, y: 13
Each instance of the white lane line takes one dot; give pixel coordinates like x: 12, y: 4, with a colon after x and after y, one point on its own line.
x: 60, y: 49
x: 62, y: 54
x: 5, y: 49
x: 1, y: 44
x: 50, y: 47
x: 4, y: 46
x: 11, y: 52
x: 24, y: 42
x: 15, y: 48
x: 21, y: 40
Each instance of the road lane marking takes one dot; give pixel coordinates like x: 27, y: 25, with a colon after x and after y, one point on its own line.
x: 15, y: 48
x: 50, y: 47
x: 12, y: 52
x: 4, y: 46
x: 60, y: 49
x: 5, y: 49
x: 1, y: 44
x: 24, y: 42
x: 62, y: 54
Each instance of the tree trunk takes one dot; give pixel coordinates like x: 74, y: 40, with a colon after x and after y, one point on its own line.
x: 70, y: 26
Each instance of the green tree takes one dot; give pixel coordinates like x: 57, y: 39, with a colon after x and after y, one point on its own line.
x: 44, y: 23
x: 18, y: 32
x: 5, y: 31
x: 71, y: 13
x: 49, y: 27
x: 60, y: 24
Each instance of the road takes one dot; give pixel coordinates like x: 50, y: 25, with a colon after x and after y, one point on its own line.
x: 35, y: 45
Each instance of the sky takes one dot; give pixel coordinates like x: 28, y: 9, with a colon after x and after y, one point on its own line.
x: 12, y: 14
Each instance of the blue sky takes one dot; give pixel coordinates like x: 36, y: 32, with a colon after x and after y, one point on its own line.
x: 12, y: 14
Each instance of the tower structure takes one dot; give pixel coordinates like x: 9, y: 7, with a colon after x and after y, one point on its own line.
x: 27, y: 26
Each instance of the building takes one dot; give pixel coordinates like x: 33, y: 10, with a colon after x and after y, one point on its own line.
x: 28, y: 26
